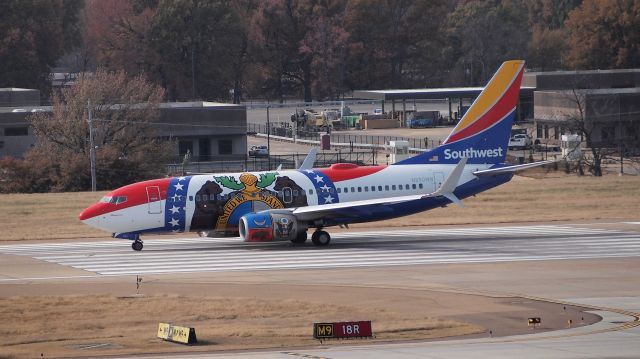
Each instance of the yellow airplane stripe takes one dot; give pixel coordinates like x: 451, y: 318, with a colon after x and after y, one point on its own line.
x: 496, y: 88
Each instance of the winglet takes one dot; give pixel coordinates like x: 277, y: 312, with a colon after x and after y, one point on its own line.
x: 310, y: 160
x: 449, y: 185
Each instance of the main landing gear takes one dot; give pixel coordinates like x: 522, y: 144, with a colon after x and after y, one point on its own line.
x: 320, y: 238
x: 301, y: 238
x: 137, y: 245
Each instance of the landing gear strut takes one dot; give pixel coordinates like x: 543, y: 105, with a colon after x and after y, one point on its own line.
x: 320, y: 238
x: 137, y: 245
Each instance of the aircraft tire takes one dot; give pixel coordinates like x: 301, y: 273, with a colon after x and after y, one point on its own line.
x: 137, y: 245
x: 321, y: 238
x: 301, y: 238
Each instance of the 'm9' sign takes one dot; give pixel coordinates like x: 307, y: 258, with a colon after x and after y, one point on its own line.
x: 360, y: 329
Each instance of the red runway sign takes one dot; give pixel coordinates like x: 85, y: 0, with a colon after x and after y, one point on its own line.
x: 342, y: 330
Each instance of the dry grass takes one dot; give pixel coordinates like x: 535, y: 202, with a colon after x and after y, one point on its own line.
x: 55, y: 324
x: 554, y: 197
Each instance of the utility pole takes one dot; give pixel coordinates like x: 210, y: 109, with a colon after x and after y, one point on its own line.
x: 92, y: 149
x: 268, y: 139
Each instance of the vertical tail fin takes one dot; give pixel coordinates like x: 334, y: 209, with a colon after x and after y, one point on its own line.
x: 482, y: 135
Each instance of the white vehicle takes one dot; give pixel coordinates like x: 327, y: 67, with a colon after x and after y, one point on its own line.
x: 520, y: 142
x: 259, y: 151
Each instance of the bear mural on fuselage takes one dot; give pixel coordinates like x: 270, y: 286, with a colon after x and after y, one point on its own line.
x: 217, y: 211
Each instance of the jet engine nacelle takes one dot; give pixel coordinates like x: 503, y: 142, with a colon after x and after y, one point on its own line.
x: 267, y: 226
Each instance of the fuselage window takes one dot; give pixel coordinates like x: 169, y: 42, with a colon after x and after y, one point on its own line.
x: 310, y: 191
x: 338, y: 189
x: 373, y: 188
x: 359, y: 189
x: 386, y: 187
x: 379, y: 188
x: 197, y: 198
x: 353, y: 189
x: 212, y: 197
x: 366, y: 188
x: 393, y: 187
x: 413, y: 186
x: 420, y: 185
x: 346, y: 190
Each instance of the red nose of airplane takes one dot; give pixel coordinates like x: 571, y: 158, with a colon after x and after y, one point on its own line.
x: 90, y: 212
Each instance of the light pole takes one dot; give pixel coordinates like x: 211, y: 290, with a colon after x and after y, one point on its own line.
x: 92, y: 149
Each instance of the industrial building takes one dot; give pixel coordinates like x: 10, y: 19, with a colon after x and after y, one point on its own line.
x: 208, y: 131
x: 607, y: 102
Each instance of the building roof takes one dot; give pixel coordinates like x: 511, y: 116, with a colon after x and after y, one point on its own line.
x: 430, y: 93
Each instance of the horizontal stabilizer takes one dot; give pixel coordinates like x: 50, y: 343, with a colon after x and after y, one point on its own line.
x: 508, y: 169
x: 449, y: 185
x: 310, y: 160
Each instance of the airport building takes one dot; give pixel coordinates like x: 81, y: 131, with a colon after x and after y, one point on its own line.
x: 208, y: 131
x: 606, y: 102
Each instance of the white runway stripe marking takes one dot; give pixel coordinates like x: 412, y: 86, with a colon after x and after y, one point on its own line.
x: 353, y: 249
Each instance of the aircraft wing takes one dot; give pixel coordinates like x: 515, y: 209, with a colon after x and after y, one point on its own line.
x: 507, y: 169
x: 352, y: 209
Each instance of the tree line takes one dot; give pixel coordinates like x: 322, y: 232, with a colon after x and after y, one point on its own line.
x: 232, y: 50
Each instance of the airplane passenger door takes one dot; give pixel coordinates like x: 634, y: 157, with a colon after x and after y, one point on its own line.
x: 438, y: 178
x: 153, y: 195
x: 287, y: 195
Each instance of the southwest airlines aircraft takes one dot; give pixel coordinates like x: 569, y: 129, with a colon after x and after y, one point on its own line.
x: 284, y: 205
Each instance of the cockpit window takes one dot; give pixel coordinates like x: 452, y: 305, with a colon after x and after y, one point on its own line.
x: 113, y: 200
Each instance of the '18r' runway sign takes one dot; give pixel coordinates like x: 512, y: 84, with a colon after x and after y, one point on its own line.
x: 342, y: 330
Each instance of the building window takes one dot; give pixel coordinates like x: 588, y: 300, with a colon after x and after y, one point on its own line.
x: 538, y: 131
x: 225, y: 147
x: 184, y: 146
x: 204, y: 148
x: 546, y: 131
x: 16, y: 131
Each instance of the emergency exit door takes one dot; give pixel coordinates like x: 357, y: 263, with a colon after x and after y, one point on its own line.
x: 438, y: 178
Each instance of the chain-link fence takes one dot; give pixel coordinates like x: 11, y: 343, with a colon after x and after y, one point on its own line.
x: 323, y: 159
x: 342, y: 138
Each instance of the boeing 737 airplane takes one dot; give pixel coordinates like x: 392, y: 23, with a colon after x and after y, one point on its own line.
x: 282, y: 205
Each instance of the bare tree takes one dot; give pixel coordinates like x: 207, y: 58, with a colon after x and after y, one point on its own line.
x: 591, y: 120
x: 123, y: 113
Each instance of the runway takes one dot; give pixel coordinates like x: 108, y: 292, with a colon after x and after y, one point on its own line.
x: 347, y: 250
x: 593, y: 265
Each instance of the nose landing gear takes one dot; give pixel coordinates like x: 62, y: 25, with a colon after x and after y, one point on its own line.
x: 137, y: 245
